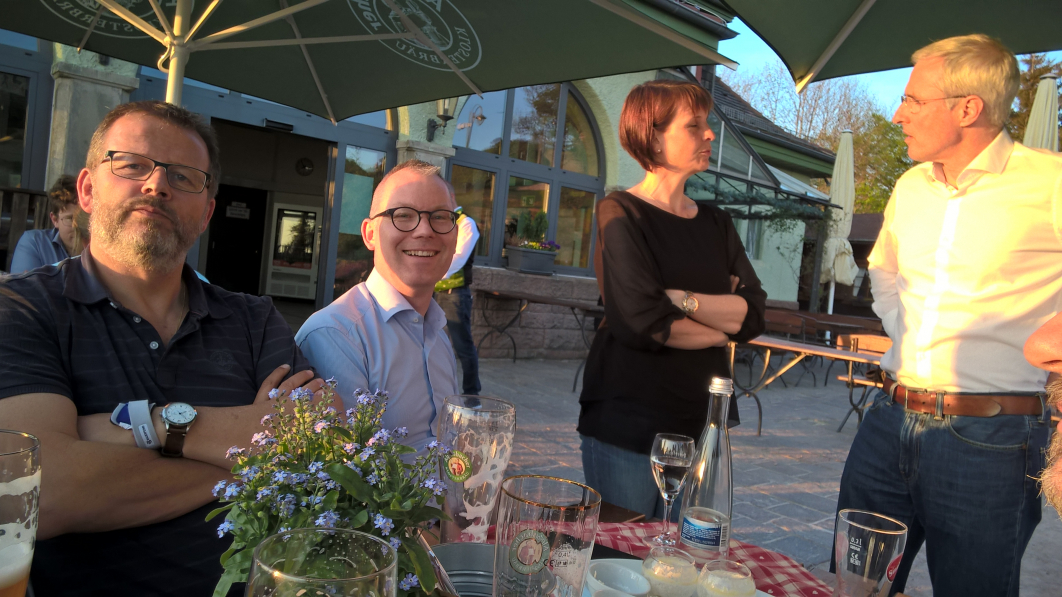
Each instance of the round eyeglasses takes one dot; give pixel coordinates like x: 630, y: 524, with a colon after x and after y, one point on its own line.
x: 134, y: 166
x: 406, y: 219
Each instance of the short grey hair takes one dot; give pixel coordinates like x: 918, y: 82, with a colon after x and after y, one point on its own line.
x: 415, y: 166
x: 977, y: 65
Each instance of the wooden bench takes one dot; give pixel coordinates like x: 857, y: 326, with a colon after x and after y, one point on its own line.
x: 868, y: 344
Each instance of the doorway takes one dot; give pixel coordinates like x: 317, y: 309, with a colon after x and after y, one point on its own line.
x: 234, y: 255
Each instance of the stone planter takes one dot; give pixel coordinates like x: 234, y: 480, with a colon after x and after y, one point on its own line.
x: 530, y: 261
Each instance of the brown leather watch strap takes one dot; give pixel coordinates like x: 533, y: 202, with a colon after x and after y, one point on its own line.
x: 174, y: 445
x: 966, y: 405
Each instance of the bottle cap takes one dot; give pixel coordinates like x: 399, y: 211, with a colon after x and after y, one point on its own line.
x: 721, y: 385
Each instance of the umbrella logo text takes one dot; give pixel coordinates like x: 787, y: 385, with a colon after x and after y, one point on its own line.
x: 439, y: 20
x: 80, y: 13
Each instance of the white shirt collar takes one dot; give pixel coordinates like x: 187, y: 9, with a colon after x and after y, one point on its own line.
x: 991, y: 160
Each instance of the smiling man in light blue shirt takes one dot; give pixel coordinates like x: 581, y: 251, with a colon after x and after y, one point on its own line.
x: 388, y: 332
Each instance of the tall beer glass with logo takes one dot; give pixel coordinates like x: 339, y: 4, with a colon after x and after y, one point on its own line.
x: 479, y: 431
x: 545, y: 533
x: 20, y: 484
x: 867, y: 551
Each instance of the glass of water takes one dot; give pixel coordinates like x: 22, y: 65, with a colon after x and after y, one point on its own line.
x: 20, y: 483
x: 545, y: 533
x: 868, y: 549
x: 671, y: 460
x: 726, y: 578
x: 479, y: 431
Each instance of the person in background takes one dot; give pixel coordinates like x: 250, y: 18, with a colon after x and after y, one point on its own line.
x: 42, y: 247
x: 454, y: 295
x: 677, y: 286
x: 387, y: 333
x: 968, y: 264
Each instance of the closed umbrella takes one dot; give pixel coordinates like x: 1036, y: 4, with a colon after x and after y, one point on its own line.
x: 839, y: 267
x: 338, y: 58
x: 834, y: 38
x: 1042, y: 130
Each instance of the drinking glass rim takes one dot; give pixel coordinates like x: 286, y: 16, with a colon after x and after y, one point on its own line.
x: 593, y: 493
x: 903, y: 527
x: 508, y: 406
x: 33, y: 438
x: 278, y: 574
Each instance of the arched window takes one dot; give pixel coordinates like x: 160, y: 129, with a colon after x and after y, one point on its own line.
x: 529, y: 150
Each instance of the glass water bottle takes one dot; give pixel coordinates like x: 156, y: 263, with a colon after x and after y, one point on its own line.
x: 709, y: 496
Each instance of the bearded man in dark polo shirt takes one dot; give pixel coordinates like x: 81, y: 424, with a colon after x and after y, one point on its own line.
x: 128, y: 321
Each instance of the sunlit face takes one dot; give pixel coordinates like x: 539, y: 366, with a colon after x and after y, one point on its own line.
x: 64, y: 222
x: 413, y: 262
x: 933, y: 134
x: 146, y: 223
x: 685, y: 146
x: 1044, y: 350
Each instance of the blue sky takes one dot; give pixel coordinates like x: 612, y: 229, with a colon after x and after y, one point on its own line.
x: 751, y: 53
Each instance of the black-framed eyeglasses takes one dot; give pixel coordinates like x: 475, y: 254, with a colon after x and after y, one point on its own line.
x: 134, y: 166
x: 914, y: 106
x: 406, y: 219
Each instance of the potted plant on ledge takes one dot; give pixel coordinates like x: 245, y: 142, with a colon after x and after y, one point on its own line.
x: 530, y: 252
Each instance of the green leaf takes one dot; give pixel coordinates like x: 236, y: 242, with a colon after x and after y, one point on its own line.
x: 330, y: 499
x: 350, y: 481
x: 228, y: 553
x: 403, y: 449
x: 214, y: 513
x: 341, y: 432
x: 421, y: 565
x: 359, y: 519
x: 225, y: 583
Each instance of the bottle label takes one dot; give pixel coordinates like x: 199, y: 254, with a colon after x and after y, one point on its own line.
x: 702, y: 534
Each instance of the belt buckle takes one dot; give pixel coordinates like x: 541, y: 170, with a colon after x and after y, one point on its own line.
x: 938, y: 413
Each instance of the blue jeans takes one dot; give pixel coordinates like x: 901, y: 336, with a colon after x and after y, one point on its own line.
x: 964, y: 486
x: 624, y: 478
x: 457, y: 304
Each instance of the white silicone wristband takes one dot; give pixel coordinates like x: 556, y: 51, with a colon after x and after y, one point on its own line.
x: 143, y: 427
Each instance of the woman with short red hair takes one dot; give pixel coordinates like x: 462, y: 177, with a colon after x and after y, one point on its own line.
x: 676, y: 285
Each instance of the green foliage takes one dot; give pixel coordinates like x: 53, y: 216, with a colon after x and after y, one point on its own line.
x: 880, y: 159
x: 532, y: 228
x: 316, y: 467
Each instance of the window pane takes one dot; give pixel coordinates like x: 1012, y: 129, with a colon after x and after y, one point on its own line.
x: 575, y: 220
x: 717, y: 129
x: 525, y: 196
x: 754, y: 239
x: 14, y: 105
x: 735, y: 159
x: 362, y: 172
x: 534, y: 130
x: 474, y: 190
x: 479, y: 125
x: 580, y: 148
x: 294, y: 241
x: 377, y: 119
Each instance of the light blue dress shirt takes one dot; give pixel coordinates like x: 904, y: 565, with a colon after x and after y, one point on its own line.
x: 37, y: 248
x: 370, y: 338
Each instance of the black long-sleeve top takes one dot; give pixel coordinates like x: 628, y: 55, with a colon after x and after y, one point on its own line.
x: 634, y: 386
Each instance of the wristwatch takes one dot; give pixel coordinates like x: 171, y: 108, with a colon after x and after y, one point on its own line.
x: 178, y: 417
x: 689, y: 303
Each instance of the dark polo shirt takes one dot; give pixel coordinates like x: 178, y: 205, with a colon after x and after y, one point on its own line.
x: 61, y: 333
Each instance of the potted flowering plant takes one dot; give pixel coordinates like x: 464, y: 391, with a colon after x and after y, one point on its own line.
x: 314, y: 466
x: 529, y: 251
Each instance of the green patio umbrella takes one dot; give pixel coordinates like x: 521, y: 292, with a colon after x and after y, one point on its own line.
x: 338, y: 58
x: 822, y: 39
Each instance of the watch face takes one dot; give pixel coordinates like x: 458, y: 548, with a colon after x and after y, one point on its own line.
x: 179, y: 413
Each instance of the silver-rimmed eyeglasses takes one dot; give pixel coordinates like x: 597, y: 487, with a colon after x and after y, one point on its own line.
x: 914, y: 106
x: 134, y: 166
x: 406, y: 219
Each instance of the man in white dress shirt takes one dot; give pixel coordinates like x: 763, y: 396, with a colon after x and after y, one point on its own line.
x: 967, y: 266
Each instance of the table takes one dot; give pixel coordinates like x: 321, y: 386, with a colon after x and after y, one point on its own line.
x: 587, y: 309
x: 800, y: 351
x: 774, y: 573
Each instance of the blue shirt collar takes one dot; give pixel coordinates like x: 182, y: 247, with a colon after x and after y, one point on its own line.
x: 391, y: 302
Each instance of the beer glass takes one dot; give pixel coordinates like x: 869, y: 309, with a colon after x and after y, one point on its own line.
x: 545, y: 533
x: 20, y: 485
x: 479, y: 431
x: 313, y: 562
x: 867, y: 552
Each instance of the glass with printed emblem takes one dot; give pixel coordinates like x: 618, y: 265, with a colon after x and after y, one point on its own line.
x: 20, y: 483
x: 867, y: 552
x: 545, y: 534
x: 478, y: 432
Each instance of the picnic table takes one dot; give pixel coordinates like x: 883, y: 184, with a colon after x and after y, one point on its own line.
x: 799, y: 352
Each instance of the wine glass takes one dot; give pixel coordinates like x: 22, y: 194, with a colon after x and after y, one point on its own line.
x: 671, y: 460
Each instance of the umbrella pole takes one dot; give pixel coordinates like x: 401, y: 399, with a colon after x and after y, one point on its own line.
x: 179, y: 53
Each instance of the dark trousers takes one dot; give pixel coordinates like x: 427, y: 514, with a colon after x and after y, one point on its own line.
x: 964, y: 486
x: 457, y: 304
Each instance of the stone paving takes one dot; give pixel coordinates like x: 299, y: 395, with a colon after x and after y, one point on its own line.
x: 785, y: 481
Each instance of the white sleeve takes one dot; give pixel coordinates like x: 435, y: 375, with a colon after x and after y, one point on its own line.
x: 467, y: 235
x: 883, y: 269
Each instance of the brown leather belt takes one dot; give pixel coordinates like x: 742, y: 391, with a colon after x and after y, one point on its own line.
x: 966, y: 405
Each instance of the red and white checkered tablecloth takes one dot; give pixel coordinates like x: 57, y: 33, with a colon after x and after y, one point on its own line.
x: 774, y: 573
